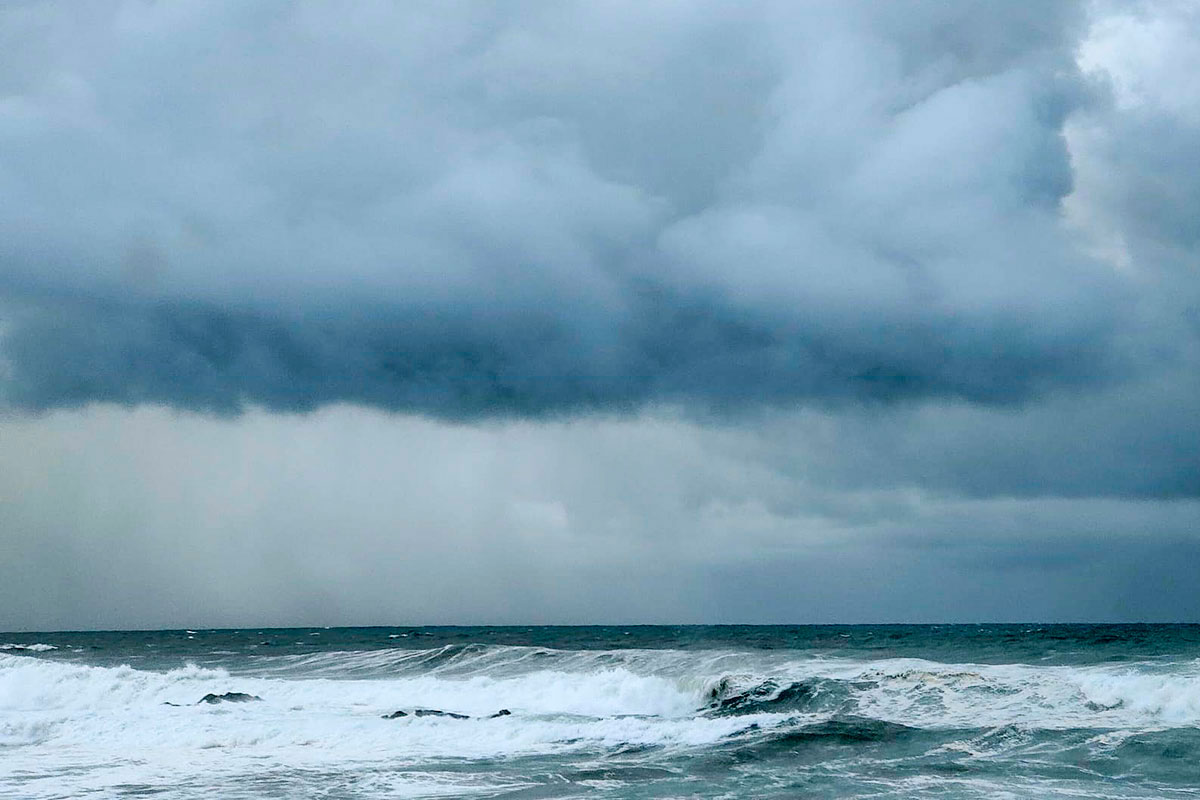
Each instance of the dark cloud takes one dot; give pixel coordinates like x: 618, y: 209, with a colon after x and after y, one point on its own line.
x: 1135, y: 439
x: 758, y: 312
x: 132, y: 518
x: 469, y: 211
x: 463, y: 364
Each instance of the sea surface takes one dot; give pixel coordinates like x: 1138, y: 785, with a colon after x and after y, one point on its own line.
x: 995, y: 711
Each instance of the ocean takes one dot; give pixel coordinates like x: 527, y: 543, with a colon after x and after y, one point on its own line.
x: 945, y: 711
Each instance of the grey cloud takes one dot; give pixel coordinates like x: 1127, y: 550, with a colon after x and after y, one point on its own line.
x: 529, y: 210
x: 1138, y: 151
x: 1136, y: 439
x: 127, y: 518
x: 766, y: 312
x: 472, y: 364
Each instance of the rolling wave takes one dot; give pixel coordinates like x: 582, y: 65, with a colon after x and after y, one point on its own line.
x: 628, y: 713
x: 669, y: 684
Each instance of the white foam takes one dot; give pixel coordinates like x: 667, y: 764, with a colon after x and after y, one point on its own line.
x: 908, y: 691
x: 319, y: 712
x: 933, y: 695
x: 65, y: 717
x: 32, y: 648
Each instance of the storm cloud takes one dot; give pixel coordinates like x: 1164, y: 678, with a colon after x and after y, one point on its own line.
x: 145, y: 518
x: 582, y: 312
x: 548, y: 209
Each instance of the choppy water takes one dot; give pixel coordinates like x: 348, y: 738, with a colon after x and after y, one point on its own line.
x: 822, y: 711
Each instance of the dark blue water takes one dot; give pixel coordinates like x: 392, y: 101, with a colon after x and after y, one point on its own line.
x: 729, y: 711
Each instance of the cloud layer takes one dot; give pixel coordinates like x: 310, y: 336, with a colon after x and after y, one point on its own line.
x: 712, y: 312
x: 467, y: 211
x: 113, y: 518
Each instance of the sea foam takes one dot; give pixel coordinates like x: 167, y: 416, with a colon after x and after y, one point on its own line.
x: 323, y: 711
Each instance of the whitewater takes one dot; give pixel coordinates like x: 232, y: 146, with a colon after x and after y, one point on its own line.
x: 882, y: 711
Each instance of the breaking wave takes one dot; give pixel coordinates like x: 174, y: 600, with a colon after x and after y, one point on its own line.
x: 652, y: 683
x: 326, y: 708
x: 31, y: 648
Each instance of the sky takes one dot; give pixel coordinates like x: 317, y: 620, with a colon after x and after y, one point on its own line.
x: 461, y: 312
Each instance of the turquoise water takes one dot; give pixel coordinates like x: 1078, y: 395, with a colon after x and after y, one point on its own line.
x: 622, y: 712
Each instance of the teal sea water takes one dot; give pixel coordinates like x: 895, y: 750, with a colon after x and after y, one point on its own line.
x: 1013, y: 711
